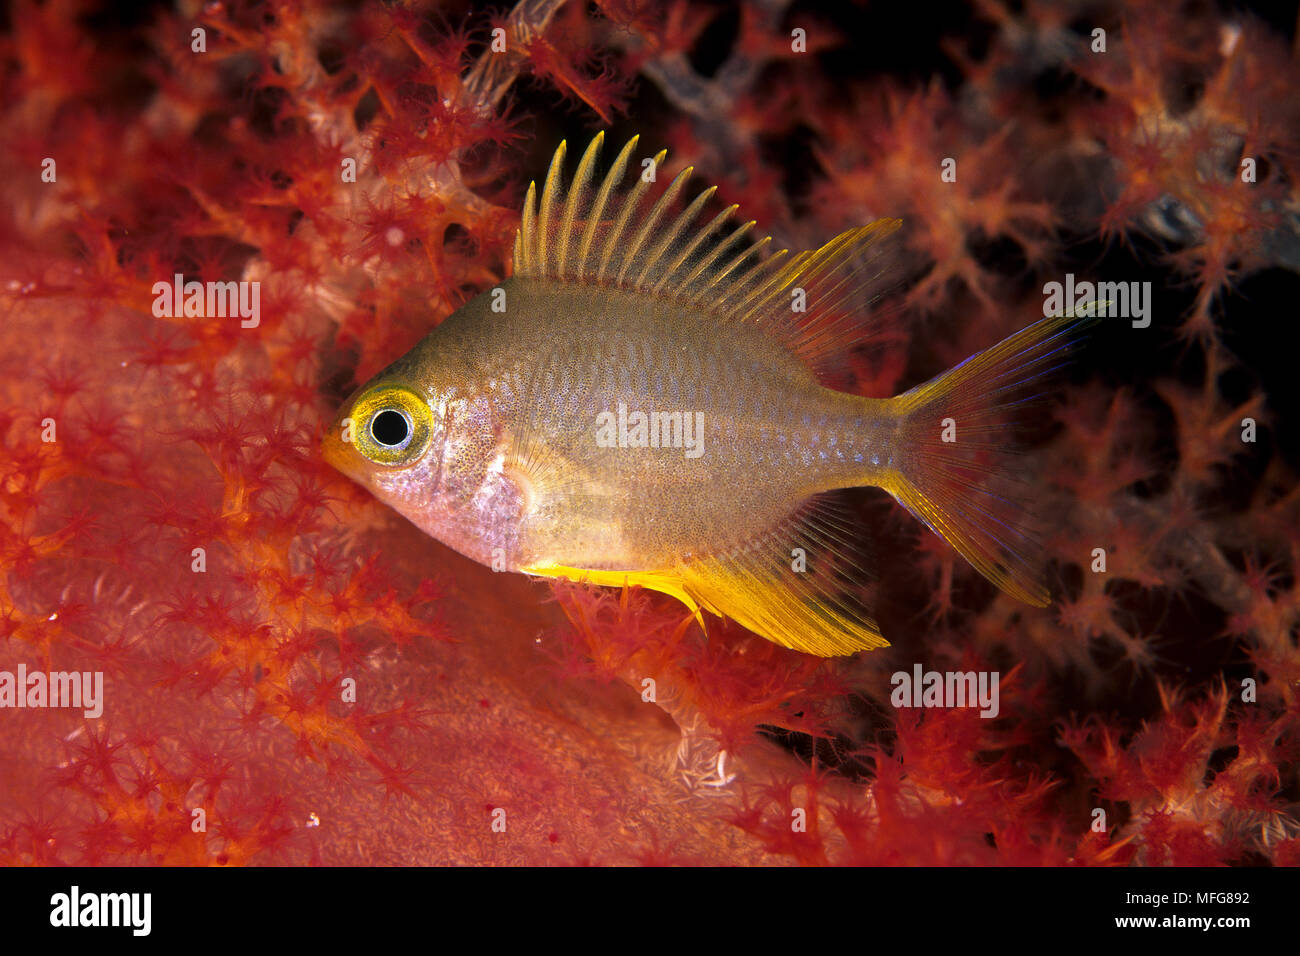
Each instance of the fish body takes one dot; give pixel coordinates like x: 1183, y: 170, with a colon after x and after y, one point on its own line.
x: 524, y: 391
x: 642, y: 403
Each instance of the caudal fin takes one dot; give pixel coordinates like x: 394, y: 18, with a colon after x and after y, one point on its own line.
x: 956, y: 466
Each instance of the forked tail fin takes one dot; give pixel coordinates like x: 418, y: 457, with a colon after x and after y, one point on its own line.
x: 955, y: 462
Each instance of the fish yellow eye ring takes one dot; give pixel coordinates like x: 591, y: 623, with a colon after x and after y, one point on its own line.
x: 391, y: 425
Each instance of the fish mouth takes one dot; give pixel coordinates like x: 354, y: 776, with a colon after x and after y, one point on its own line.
x: 334, y: 449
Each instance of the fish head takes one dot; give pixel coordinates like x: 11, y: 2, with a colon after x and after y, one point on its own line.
x: 390, y: 437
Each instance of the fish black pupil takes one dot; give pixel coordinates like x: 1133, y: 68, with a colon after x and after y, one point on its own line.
x: 390, y: 428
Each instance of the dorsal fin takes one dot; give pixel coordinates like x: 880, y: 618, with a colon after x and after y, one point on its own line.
x: 631, y: 236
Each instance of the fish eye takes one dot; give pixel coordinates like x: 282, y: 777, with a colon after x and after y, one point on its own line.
x: 390, y: 428
x: 392, y: 425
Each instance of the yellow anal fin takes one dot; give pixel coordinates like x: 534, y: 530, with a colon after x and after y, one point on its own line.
x: 781, y: 607
x: 794, y: 585
x: 666, y: 582
x: 801, y: 605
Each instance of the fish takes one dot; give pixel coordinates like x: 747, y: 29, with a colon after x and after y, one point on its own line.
x: 643, y: 402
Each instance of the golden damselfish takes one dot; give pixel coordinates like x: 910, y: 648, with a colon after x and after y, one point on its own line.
x: 642, y: 403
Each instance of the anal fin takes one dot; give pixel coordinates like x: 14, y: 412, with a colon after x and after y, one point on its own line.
x: 665, y: 582
x: 781, y: 605
x: 791, y: 586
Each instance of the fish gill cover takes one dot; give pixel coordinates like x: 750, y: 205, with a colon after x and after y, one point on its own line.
x: 219, y: 218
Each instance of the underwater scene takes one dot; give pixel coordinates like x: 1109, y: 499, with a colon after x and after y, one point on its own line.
x: 628, y: 433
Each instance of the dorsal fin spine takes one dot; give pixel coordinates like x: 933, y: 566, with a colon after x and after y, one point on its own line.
x: 672, y: 232
x: 726, y: 269
x: 753, y: 286
x: 691, y: 246
x: 548, y: 202
x: 631, y: 204
x: 602, y: 197
x: 652, y: 219
x: 528, y: 228
x: 777, y: 283
x: 577, y: 189
x: 717, y: 251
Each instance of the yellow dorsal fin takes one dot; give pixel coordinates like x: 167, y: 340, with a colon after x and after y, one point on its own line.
x: 632, y: 235
x: 609, y: 231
